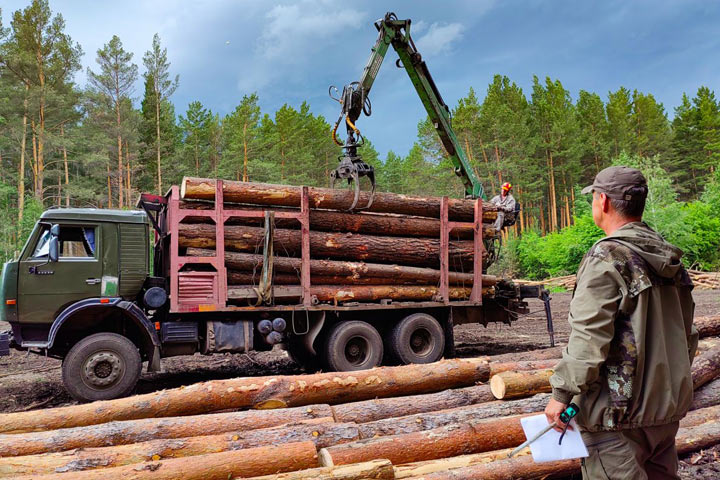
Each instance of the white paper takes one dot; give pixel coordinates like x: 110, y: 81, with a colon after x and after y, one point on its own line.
x: 546, y: 448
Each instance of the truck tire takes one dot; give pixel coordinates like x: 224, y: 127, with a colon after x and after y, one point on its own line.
x: 102, y: 366
x: 417, y: 338
x: 299, y: 354
x: 353, y: 345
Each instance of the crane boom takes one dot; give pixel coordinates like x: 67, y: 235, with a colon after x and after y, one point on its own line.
x: 392, y: 31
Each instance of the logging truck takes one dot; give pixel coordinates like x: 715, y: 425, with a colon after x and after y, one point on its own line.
x: 220, y: 266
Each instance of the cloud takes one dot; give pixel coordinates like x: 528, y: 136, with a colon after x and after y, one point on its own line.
x: 295, y: 31
x: 439, y: 38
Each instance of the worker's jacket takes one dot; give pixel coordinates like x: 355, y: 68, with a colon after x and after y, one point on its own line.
x: 507, y: 203
x: 632, y: 340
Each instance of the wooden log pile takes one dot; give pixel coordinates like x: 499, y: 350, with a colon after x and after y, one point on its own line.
x: 701, y: 280
x: 391, y: 252
x: 435, y: 421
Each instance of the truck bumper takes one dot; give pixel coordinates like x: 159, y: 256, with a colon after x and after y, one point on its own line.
x: 4, y: 344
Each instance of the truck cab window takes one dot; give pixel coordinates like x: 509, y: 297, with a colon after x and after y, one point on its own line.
x: 75, y: 242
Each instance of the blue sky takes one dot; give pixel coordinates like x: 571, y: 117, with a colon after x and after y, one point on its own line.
x: 292, y: 51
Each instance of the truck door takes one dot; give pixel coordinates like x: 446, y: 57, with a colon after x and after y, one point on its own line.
x: 45, y: 288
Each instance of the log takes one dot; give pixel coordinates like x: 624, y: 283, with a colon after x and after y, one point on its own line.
x: 447, y: 441
x: 708, y: 326
x: 355, y: 293
x: 458, y: 416
x: 326, y: 198
x: 422, y: 252
x: 356, y: 270
x: 81, y: 459
x: 706, y: 396
x: 687, y: 440
x: 500, y: 367
x: 214, y: 466
x: 141, y: 430
x: 706, y: 367
x: 258, y: 392
x: 235, y: 277
x: 529, y: 355
x: 415, y: 469
x: 511, y: 384
x: 372, y: 470
x: 700, y: 416
x: 705, y: 344
x: 378, y: 409
x: 361, y: 222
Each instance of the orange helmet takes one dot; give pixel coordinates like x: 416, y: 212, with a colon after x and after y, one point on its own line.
x: 506, y: 187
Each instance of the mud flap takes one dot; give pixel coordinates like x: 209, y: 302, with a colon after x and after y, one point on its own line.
x: 4, y: 344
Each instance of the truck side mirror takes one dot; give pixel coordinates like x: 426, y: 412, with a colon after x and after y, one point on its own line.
x: 53, y: 247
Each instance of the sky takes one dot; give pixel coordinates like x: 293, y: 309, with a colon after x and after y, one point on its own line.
x: 292, y: 51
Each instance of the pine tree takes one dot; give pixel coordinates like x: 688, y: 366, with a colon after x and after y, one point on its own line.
x: 651, y: 132
x: 195, y: 130
x: 241, y: 139
x: 593, y: 133
x: 115, y: 82
x: 157, y: 77
x: 619, y: 112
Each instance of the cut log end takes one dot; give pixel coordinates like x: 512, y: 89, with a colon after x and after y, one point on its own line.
x: 325, y: 458
x: 497, y: 386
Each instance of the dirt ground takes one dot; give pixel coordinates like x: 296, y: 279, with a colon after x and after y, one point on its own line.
x: 29, y: 382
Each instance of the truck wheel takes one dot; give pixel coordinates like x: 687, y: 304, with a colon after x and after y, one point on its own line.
x: 101, y: 367
x: 353, y: 345
x: 299, y: 354
x: 417, y: 338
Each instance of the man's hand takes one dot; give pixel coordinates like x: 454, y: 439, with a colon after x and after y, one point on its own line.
x: 553, y: 411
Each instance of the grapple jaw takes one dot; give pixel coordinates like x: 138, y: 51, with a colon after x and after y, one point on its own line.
x: 352, y: 168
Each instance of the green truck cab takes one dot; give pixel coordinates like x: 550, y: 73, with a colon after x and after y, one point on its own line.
x: 74, y: 293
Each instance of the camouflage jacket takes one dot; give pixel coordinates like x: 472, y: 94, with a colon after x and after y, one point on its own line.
x: 632, y: 340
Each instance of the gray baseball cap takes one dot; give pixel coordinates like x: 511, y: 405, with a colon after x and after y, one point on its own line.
x: 615, y: 182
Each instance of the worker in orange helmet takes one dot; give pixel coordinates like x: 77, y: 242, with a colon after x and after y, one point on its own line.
x: 506, y: 205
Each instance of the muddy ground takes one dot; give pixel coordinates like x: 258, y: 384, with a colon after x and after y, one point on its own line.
x: 29, y: 382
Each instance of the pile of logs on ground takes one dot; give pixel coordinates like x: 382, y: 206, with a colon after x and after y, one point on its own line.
x: 701, y: 280
x: 437, y: 421
x: 394, y: 243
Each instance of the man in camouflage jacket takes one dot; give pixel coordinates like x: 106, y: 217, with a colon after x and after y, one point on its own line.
x: 632, y: 340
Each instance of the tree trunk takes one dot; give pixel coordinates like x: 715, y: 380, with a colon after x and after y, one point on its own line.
x: 65, y: 165
x: 706, y: 367
x: 157, y: 138
x: 458, y: 416
x: 245, y: 154
x: 511, y: 384
x: 140, y: 430
x: 486, y: 467
x: 121, y: 203
x: 322, y: 435
x: 109, y: 186
x: 373, y: 470
x: 707, y: 396
x: 21, y: 167
x: 356, y: 293
x: 447, y: 441
x: 258, y: 392
x: 214, y: 466
x: 381, y: 408
x: 367, y: 223
x: 326, y: 198
x: 355, y: 270
x: 708, y: 326
x: 424, y: 252
x: 235, y: 277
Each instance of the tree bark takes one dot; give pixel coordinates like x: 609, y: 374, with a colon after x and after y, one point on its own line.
x: 458, y: 416
x: 355, y: 293
x: 326, y: 198
x: 81, y: 459
x: 687, y: 440
x: 706, y: 367
x: 214, y: 466
x: 367, y: 223
x: 235, y: 277
x: 447, y: 441
x: 65, y: 165
x: 706, y: 396
x: 422, y: 252
x: 141, y: 430
x: 500, y: 367
x: 511, y: 384
x: 258, y: 392
x: 354, y: 270
x: 530, y: 355
x: 373, y: 470
x: 21, y: 167
x: 708, y: 326
x: 378, y: 409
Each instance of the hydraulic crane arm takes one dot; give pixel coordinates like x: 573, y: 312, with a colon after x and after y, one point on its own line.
x: 392, y: 31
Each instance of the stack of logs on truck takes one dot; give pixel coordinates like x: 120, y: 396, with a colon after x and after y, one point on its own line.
x: 450, y: 420
x: 296, y: 267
